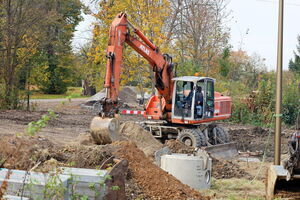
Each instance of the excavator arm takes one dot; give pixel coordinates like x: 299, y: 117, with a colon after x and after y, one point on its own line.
x: 161, y: 64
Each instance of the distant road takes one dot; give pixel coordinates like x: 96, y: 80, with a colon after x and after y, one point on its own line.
x: 58, y: 100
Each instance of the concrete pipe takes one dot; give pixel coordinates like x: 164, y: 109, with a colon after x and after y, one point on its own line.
x: 105, y: 130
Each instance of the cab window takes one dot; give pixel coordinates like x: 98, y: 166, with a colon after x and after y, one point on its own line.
x: 183, y: 98
x: 210, y: 90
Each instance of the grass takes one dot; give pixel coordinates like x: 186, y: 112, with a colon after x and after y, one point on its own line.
x: 73, y: 92
x: 236, y: 189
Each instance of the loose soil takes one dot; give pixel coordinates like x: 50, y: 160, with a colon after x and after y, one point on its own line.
x: 127, y: 95
x: 178, y: 147
x: 227, y: 169
x: 25, y: 153
x: 156, y: 183
x: 255, y: 139
x: 142, y: 138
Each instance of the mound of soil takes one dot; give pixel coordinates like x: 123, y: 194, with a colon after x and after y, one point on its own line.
x: 127, y: 95
x: 227, y: 169
x: 85, y: 139
x: 155, y: 183
x: 253, y: 139
x: 87, y: 156
x: 178, y: 147
x: 142, y: 138
x: 133, y: 191
x: 25, y: 152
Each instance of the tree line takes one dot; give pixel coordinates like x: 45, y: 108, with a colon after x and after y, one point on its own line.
x: 35, y: 49
x: 35, y: 46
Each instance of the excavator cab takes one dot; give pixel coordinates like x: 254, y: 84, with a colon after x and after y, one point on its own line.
x: 194, y: 98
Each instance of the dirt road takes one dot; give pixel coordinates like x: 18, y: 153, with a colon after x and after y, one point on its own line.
x: 71, y: 119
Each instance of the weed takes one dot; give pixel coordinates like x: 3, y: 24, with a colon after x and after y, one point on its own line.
x: 35, y: 127
x: 234, y: 189
x: 115, y: 188
x: 72, y: 164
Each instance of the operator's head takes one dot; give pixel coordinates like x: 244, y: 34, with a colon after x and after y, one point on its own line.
x: 199, y: 88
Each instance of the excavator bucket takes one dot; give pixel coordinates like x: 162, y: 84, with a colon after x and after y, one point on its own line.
x: 222, y: 151
x: 105, y: 130
x: 278, y: 186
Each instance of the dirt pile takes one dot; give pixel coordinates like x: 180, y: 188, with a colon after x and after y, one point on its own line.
x: 253, y: 139
x: 84, y: 139
x: 127, y: 95
x: 142, y: 138
x: 227, y: 169
x: 25, y: 153
x: 133, y: 190
x: 87, y: 156
x: 178, y: 147
x: 155, y: 183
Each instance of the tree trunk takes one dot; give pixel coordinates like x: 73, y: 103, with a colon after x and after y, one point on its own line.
x: 8, y: 75
x: 88, y: 90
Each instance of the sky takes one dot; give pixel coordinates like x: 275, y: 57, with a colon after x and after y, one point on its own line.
x: 83, y: 33
x: 255, y: 25
x: 253, y: 28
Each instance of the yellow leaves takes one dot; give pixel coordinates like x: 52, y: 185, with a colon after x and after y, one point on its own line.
x: 147, y: 15
x: 39, y: 75
x: 29, y: 49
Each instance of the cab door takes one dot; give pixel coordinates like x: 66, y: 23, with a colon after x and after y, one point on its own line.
x: 183, y: 100
x: 209, y: 98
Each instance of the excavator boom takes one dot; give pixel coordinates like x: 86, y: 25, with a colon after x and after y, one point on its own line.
x: 161, y: 64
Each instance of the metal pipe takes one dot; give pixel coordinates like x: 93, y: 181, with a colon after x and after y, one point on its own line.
x: 278, y: 114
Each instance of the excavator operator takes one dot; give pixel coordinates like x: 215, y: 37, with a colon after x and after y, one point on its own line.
x: 198, y: 101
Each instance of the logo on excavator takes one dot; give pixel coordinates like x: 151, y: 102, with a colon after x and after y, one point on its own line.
x: 144, y: 49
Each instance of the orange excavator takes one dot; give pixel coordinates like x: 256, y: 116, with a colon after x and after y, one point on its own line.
x: 184, y: 108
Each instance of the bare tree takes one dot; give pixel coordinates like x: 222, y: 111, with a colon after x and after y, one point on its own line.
x: 198, y: 28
